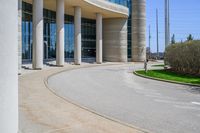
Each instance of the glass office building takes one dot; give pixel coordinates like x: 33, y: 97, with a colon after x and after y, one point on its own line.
x: 88, y: 30
x: 121, y: 2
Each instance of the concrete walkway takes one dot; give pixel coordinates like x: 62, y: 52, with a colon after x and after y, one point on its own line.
x: 114, y: 91
x: 41, y: 111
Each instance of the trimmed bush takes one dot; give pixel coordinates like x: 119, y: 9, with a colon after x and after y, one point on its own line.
x: 184, y: 57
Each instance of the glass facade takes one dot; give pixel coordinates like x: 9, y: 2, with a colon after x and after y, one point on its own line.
x: 129, y: 28
x: 26, y: 31
x: 69, y: 36
x: 49, y: 34
x: 121, y: 2
x: 88, y: 29
x: 88, y: 32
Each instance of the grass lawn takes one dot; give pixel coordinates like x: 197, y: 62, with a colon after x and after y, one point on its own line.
x: 172, y: 76
x: 160, y: 65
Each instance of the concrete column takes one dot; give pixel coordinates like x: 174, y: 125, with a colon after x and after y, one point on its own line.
x: 9, y: 66
x: 37, y: 34
x: 60, y: 17
x: 77, y: 39
x: 99, y: 38
x: 19, y: 35
x: 115, y: 40
x: 138, y: 30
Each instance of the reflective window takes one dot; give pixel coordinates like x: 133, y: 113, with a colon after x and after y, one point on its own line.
x: 49, y: 34
x: 129, y: 28
x: 88, y: 28
x: 27, y: 32
x: 121, y: 2
x: 69, y: 37
x: 88, y: 32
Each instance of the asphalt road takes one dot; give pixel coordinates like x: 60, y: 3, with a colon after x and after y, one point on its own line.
x: 114, y: 91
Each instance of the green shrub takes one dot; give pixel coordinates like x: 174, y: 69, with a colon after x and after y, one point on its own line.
x: 184, y: 57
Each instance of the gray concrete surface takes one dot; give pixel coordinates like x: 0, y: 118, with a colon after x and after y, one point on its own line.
x: 115, y: 40
x: 60, y: 19
x: 8, y: 66
x: 77, y: 35
x: 41, y: 111
x: 38, y: 34
x: 138, y: 30
x: 99, y: 50
x: 114, y: 91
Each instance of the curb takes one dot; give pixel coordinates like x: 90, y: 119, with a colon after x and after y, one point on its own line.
x: 168, y: 81
x: 85, y: 108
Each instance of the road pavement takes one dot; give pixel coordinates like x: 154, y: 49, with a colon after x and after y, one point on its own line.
x: 114, y: 91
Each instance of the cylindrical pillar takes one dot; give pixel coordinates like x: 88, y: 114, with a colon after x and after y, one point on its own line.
x: 37, y: 34
x: 115, y: 39
x: 60, y: 17
x: 77, y: 36
x: 99, y: 38
x: 19, y: 35
x: 138, y: 30
x: 9, y: 66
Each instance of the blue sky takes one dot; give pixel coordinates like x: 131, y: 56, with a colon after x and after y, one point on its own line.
x: 184, y: 20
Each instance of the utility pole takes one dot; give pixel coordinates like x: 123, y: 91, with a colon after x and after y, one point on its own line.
x: 167, y: 24
x: 149, y: 42
x: 157, y: 33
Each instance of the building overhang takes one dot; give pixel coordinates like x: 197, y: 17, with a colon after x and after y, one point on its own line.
x: 90, y: 8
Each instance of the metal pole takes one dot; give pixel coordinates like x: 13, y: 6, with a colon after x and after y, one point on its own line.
x: 166, y: 25
x: 157, y: 33
x: 149, y: 41
x: 168, y: 22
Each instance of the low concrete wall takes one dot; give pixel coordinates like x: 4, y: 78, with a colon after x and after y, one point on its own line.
x: 115, y: 40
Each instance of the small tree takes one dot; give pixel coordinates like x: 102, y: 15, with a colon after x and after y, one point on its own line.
x: 190, y: 37
x: 173, y: 39
x: 184, y: 57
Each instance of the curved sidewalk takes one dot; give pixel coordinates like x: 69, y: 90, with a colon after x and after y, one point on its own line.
x: 43, y: 112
